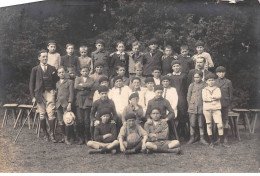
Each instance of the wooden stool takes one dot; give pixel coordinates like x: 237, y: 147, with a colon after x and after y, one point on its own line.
x: 255, y: 116
x: 23, y: 108
x: 7, y: 108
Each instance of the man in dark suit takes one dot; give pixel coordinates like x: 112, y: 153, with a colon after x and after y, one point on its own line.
x: 42, y: 89
x: 200, y: 63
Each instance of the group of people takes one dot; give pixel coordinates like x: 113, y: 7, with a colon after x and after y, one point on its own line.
x: 131, y: 100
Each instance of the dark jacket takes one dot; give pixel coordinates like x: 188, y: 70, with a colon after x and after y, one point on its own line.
x: 36, y: 81
x: 226, y: 88
x: 150, y: 62
x: 65, y: 93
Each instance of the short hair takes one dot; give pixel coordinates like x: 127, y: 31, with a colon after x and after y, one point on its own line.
x: 199, y: 72
x: 199, y: 43
x: 184, y: 47
x: 166, y: 77
x: 69, y: 44
x: 119, y: 42
x: 71, y: 69
x: 210, y: 76
x: 168, y: 47
x: 83, y: 47
x: 117, y: 78
x: 204, y: 59
x: 135, y: 78
x: 61, y: 67
x: 156, y: 109
x: 42, y: 51
x: 102, y: 79
x: 220, y: 69
x: 103, y: 89
x: 119, y: 66
x: 148, y: 80
x: 158, y: 87
x: 100, y: 41
x: 156, y: 68
x: 85, y: 67
x: 175, y: 62
x: 136, y: 43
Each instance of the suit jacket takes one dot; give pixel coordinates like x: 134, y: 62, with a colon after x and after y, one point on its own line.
x: 84, y: 96
x: 194, y: 98
x: 191, y: 76
x: 151, y: 61
x: 36, y: 81
x: 65, y: 93
x: 226, y: 88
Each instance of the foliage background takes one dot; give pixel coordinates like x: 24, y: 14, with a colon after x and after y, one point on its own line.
x: 225, y: 28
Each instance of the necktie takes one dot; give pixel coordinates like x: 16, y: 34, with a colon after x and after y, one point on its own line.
x: 44, y: 68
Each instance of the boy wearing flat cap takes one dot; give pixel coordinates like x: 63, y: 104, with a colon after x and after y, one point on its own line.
x: 226, y: 88
x: 103, y: 81
x: 152, y: 58
x: 101, y: 55
x: 132, y: 137
x: 134, y: 108
x: 98, y: 67
x: 105, y: 134
x: 211, y: 96
x: 201, y: 53
x: 54, y: 58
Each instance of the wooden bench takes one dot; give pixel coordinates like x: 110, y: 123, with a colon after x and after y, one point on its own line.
x: 9, y: 108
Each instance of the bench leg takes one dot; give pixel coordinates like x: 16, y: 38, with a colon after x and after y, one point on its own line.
x: 232, y: 125
x: 247, y: 121
x: 14, y: 115
x: 29, y: 119
x: 34, y: 119
x: 18, y: 117
x: 237, y: 129
x: 253, y: 128
x: 5, y: 116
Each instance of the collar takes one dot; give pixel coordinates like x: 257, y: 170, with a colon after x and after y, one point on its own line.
x: 176, y: 73
x: 139, y: 89
x: 123, y: 53
x: 158, y: 99
x: 42, y: 65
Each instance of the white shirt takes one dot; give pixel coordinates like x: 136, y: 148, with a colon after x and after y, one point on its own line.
x: 120, y: 98
x: 44, y: 67
x: 54, y: 59
x: 148, y: 95
x: 157, y: 81
x: 171, y: 95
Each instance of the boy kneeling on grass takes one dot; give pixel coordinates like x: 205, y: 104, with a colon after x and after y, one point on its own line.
x: 132, y: 137
x: 158, y: 133
x: 105, y: 135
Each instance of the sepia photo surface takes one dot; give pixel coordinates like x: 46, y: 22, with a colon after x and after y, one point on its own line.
x: 75, y: 77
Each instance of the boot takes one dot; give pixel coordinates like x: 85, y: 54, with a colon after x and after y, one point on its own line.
x: 203, y: 141
x: 174, y: 150
x: 92, y: 132
x: 211, y: 144
x: 222, y: 142
x: 93, y: 151
x: 62, y: 127
x: 67, y: 135
x: 81, y: 134
x: 87, y: 134
x: 52, y: 125
x: 225, y: 135
x: 192, y: 139
x: 44, y: 129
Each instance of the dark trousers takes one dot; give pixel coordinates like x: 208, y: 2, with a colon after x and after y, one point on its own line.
x: 83, y: 122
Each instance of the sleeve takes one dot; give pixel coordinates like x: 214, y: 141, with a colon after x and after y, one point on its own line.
x: 95, y: 96
x: 189, y: 77
x: 163, y: 134
x: 62, y: 61
x: 71, y: 90
x: 89, y: 83
x: 91, y: 65
x: 170, y: 109
x: 230, y: 91
x: 189, y: 93
x: 78, y: 65
x: 124, y: 114
x: 97, y: 136
x: 217, y: 94
x: 122, y: 133
x: 76, y: 84
x: 148, y: 110
x: 59, y: 60
x: 209, y: 59
x: 142, y: 131
x: 115, y: 116
x: 174, y: 101
x: 146, y: 128
x: 114, y: 134
x: 32, y: 82
x: 93, y: 111
x: 205, y: 97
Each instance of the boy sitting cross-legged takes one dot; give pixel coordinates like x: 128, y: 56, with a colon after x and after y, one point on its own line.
x: 158, y: 132
x: 132, y: 137
x: 105, y: 134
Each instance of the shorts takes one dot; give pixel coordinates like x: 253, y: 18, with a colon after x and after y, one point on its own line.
x: 213, y: 114
x: 162, y: 144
